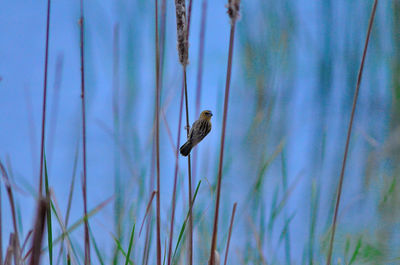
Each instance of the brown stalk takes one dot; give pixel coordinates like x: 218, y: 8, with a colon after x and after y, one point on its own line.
x: 84, y: 184
x: 157, y: 47
x: 147, y: 210
x: 146, y: 249
x: 182, y: 38
x: 189, y: 15
x: 162, y: 37
x: 200, y: 74
x: 230, y: 232
x: 26, y: 240
x: 353, y: 110
x: 64, y: 225
x: 116, y: 136
x: 233, y: 12
x: 38, y: 230
x: 70, y: 195
x: 44, y: 98
x: 10, y: 250
x: 175, y: 178
x: 10, y: 198
x: 189, y: 176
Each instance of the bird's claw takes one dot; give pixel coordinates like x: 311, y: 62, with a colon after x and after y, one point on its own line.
x: 187, y: 127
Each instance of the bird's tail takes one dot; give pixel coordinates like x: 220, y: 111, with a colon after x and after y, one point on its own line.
x: 186, y: 148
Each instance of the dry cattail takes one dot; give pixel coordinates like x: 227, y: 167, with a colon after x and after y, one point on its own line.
x: 181, y: 30
x: 233, y: 10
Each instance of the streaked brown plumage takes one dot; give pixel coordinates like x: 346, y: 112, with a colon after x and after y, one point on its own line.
x: 199, y: 130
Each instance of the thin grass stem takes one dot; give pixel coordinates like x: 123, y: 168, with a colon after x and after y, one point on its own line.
x: 38, y: 230
x: 157, y: 103
x: 230, y: 232
x: 116, y: 121
x: 233, y: 9
x: 10, y: 195
x: 84, y: 184
x: 46, y: 59
x: 175, y: 177
x: 190, y: 240
x: 199, y: 76
x: 353, y: 110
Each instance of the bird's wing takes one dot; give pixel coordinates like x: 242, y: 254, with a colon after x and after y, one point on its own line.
x: 191, y: 130
x: 200, y: 129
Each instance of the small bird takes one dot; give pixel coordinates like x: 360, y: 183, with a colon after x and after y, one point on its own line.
x: 199, y: 130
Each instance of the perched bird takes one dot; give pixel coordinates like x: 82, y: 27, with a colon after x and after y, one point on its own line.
x: 199, y: 130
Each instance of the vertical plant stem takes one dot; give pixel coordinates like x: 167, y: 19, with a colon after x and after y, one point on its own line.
x: 175, y: 177
x: 182, y: 37
x: 189, y: 15
x: 285, y: 190
x: 190, y: 240
x: 38, y: 231
x: 46, y: 59
x: 200, y: 75
x: 233, y: 9
x: 10, y: 195
x: 84, y: 184
x: 146, y: 248
x: 230, y: 232
x: 359, y: 77
x: 117, y: 142
x: 157, y: 47
x: 163, y: 25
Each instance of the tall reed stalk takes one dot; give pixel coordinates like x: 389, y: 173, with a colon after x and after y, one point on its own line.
x: 200, y: 74
x: 233, y: 12
x: 84, y: 182
x: 190, y: 241
x: 230, y: 233
x: 38, y: 230
x: 175, y: 178
x: 157, y: 103
x: 182, y: 37
x: 353, y: 110
x: 10, y: 196
x: 118, y: 204
x: 46, y: 60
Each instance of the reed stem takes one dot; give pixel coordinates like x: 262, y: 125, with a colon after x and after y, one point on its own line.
x: 157, y: 47
x: 233, y: 9
x: 46, y: 60
x: 84, y: 184
x: 353, y: 110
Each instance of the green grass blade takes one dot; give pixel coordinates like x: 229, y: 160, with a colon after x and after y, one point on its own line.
x: 130, y: 244
x: 356, y: 251
x: 49, y: 227
x: 96, y: 248
x: 165, y: 252
x: 80, y: 221
x: 66, y: 233
x: 184, y: 223
x: 121, y: 249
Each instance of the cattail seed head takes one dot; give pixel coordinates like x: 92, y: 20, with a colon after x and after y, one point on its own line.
x: 181, y: 29
x: 233, y: 9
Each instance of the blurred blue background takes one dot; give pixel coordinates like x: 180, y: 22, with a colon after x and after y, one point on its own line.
x: 294, y: 72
